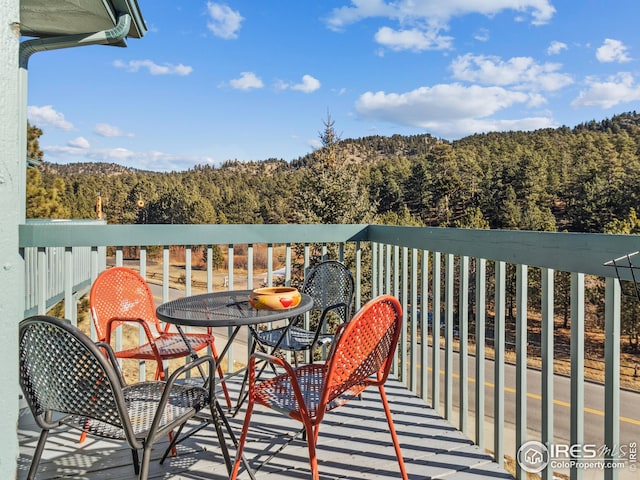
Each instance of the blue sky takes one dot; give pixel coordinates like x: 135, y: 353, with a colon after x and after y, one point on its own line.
x: 253, y: 80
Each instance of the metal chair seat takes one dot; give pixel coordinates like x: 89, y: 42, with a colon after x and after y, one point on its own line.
x: 142, y: 401
x: 295, y: 338
x: 169, y: 345
x: 279, y: 393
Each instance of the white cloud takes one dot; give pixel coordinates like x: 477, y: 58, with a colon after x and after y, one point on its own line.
x: 612, y: 51
x: 413, y: 39
x: 309, y: 84
x: 79, y: 142
x: 618, y: 89
x: 451, y: 110
x: 106, y: 130
x: 521, y: 72
x: 482, y: 35
x: 154, y: 68
x: 421, y: 22
x: 224, y: 22
x: 47, y: 116
x: 556, y: 47
x: 247, y: 81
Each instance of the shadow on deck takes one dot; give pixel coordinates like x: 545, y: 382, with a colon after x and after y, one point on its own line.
x: 354, y: 444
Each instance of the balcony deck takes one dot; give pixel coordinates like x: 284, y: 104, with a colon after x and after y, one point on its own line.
x: 354, y: 444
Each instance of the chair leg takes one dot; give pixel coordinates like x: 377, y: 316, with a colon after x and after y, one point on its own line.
x: 159, y: 371
x: 37, y: 454
x: 243, y: 438
x: 136, y: 461
x: 223, y: 383
x: 312, y: 439
x: 146, y: 458
x: 392, y: 429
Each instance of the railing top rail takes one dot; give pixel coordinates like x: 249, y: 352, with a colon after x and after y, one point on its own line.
x: 570, y: 252
x: 65, y: 235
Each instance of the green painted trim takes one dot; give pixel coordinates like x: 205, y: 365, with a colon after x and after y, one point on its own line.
x: 133, y: 235
x: 569, y: 252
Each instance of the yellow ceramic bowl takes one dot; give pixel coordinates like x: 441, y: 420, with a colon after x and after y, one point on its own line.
x: 274, y: 298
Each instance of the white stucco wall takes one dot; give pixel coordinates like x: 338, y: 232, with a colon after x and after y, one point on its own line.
x: 12, y: 193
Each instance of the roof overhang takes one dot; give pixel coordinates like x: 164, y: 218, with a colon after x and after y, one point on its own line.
x: 58, y: 18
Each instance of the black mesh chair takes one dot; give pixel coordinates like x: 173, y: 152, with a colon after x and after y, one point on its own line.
x: 68, y: 380
x: 331, y: 286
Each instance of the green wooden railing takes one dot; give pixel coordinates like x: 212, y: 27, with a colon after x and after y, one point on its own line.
x: 465, y: 271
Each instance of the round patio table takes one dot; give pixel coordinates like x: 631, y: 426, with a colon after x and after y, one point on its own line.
x: 224, y: 309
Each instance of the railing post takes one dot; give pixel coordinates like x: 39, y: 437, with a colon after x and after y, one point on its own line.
x: 42, y: 280
x: 612, y: 375
x: 448, y: 336
x: 187, y: 271
x: 577, y: 366
x: 424, y: 331
x: 547, y: 363
x: 463, y: 338
x: 70, y: 310
x: 413, y: 357
x: 94, y: 269
x: 142, y: 338
x: 481, y: 315
x: 376, y: 267
x: 250, y: 275
x: 230, y: 263
x: 403, y: 334
x: 498, y: 346
x: 287, y: 262
x: 521, y: 362
x: 387, y: 272
x: 435, y: 334
x: 358, y: 279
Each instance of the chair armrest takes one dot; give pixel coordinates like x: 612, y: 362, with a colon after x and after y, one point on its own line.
x: 196, y: 364
x: 145, y: 326
x: 290, y: 372
x: 172, y: 380
x: 323, y: 318
x: 269, y: 359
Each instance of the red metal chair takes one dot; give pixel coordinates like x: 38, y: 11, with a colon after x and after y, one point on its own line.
x: 361, y: 356
x: 120, y: 295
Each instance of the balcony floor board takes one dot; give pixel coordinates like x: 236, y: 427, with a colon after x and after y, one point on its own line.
x: 354, y: 444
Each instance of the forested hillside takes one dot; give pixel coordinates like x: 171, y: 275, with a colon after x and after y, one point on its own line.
x: 581, y: 179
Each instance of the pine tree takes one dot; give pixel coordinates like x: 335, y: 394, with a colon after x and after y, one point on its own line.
x: 331, y: 192
x: 42, y: 201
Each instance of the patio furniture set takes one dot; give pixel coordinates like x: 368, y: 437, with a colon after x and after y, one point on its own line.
x: 68, y: 380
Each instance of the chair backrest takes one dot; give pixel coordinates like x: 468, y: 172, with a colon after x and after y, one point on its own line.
x: 365, y: 347
x: 63, y: 371
x: 331, y: 286
x: 120, y: 292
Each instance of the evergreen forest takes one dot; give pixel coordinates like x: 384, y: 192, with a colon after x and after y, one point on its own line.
x: 581, y: 179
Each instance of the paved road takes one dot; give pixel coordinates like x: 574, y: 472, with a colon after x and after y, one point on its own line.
x: 593, y: 412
